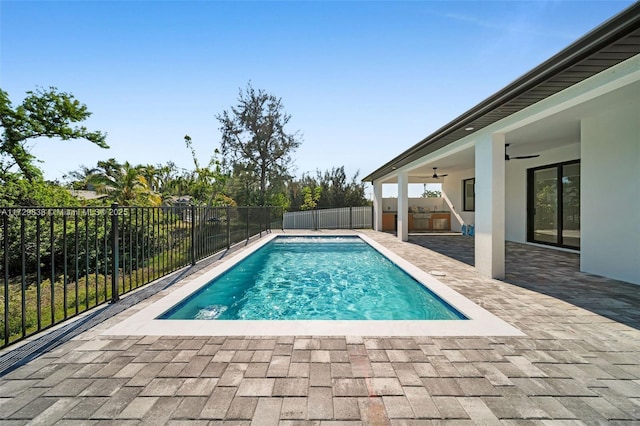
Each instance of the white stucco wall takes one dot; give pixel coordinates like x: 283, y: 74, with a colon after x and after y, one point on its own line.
x: 452, y: 187
x: 610, y: 193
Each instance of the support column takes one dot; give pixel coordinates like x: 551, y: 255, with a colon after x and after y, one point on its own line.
x: 377, y: 206
x: 490, y: 206
x: 403, y: 206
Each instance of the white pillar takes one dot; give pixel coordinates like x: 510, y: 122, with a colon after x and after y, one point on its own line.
x: 490, y: 206
x: 377, y: 206
x: 403, y: 206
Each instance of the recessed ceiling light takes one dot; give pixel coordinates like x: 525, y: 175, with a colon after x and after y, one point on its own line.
x: 468, y: 129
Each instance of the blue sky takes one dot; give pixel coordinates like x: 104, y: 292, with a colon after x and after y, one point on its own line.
x: 363, y: 81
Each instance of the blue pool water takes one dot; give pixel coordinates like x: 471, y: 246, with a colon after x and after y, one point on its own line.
x: 314, y: 278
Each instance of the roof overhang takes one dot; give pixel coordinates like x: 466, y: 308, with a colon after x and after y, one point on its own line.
x: 613, y: 42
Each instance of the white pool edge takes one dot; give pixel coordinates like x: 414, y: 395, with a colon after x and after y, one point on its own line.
x: 480, y: 322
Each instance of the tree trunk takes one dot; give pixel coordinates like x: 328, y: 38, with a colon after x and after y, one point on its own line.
x: 263, y: 184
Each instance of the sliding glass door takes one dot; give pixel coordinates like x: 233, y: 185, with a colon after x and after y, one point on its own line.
x: 554, y: 204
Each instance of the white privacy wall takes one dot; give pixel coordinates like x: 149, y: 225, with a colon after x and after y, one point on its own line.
x: 610, y: 192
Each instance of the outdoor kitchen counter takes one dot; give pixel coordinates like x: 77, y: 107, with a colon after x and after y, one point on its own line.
x: 428, y: 221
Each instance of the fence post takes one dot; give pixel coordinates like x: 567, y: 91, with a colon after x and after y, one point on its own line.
x: 5, y: 264
x: 350, y: 217
x: 260, y: 212
x: 268, y: 216
x: 373, y: 218
x: 115, y: 252
x: 228, y: 227
x: 193, y: 234
x: 247, y: 228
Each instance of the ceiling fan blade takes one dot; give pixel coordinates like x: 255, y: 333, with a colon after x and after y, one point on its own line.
x: 522, y: 157
x: 507, y: 157
x: 443, y: 175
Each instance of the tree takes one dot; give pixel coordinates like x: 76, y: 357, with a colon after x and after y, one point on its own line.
x: 337, y: 190
x: 254, y: 139
x: 208, y: 181
x: 43, y: 113
x: 79, y: 179
x: 165, y: 177
x: 18, y: 191
x: 152, y: 175
x: 430, y: 193
x: 124, y: 184
x: 311, y: 197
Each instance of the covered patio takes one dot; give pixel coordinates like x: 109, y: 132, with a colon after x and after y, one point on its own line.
x: 552, y: 159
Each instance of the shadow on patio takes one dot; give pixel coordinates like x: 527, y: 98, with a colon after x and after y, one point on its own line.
x: 551, y: 272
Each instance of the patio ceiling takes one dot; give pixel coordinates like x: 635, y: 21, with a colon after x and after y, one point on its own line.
x: 610, y: 44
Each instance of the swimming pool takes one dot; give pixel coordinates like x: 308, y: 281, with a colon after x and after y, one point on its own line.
x: 314, y: 278
x: 143, y: 320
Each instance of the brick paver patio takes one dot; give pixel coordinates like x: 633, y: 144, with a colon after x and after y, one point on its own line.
x: 578, y: 364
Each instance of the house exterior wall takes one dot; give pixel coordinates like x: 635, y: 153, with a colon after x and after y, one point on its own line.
x: 452, y: 187
x: 610, y: 192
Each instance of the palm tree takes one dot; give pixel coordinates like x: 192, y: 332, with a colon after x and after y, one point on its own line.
x: 124, y: 184
x: 79, y: 179
x: 152, y: 176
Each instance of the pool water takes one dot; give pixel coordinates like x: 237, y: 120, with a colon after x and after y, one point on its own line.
x: 314, y: 278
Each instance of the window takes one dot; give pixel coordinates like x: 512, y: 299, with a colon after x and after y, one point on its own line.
x: 469, y: 195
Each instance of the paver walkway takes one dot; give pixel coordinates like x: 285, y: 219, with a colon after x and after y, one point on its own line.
x: 578, y: 364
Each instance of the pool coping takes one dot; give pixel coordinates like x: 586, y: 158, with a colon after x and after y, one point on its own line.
x: 480, y: 322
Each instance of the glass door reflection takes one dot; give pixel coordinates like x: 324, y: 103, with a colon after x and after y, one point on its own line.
x: 545, y: 208
x: 571, y: 205
x: 554, y: 205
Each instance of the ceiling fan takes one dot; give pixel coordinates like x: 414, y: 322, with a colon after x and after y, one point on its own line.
x: 520, y: 157
x: 436, y: 175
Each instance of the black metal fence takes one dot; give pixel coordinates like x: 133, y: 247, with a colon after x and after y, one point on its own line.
x: 60, y: 262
